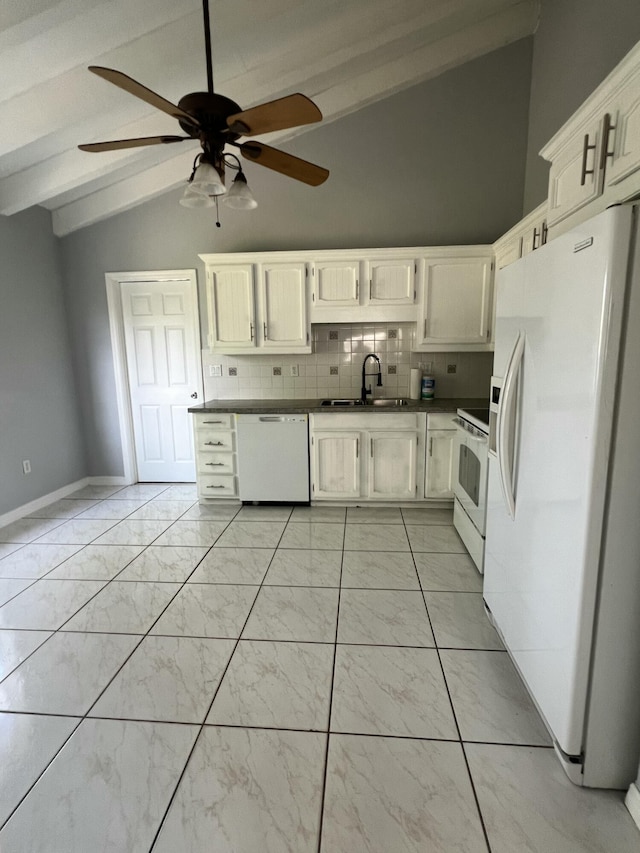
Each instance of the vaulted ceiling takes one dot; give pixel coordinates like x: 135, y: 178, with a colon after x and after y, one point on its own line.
x: 344, y: 54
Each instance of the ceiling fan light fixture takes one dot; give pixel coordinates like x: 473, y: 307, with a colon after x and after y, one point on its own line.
x: 207, y: 180
x: 191, y: 198
x: 239, y: 195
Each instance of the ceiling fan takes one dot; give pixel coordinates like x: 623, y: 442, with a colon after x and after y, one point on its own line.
x: 216, y: 121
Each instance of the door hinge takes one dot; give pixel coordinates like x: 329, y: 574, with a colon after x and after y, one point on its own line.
x: 415, y: 269
x: 312, y: 439
x: 313, y: 297
x: 307, y: 337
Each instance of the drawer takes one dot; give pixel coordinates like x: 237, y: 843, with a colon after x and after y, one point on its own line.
x: 216, y: 463
x: 441, y: 420
x: 211, y: 440
x: 217, y: 486
x: 214, y: 421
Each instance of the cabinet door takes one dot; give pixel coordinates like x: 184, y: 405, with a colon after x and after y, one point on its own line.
x: 624, y: 138
x: 335, y: 471
x: 391, y: 282
x: 456, y: 301
x: 392, y: 465
x: 575, y: 178
x: 336, y: 284
x: 231, y: 303
x: 283, y: 306
x: 439, y: 471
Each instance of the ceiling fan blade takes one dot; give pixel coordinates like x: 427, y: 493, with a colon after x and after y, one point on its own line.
x: 286, y: 164
x: 291, y: 111
x: 131, y: 143
x: 134, y: 88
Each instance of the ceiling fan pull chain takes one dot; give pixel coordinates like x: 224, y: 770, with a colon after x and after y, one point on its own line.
x: 207, y: 43
x: 217, y: 214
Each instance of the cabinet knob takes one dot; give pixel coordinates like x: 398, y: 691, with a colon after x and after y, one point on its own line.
x: 194, y: 396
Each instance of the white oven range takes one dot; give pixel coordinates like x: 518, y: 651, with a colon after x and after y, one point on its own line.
x: 471, y: 456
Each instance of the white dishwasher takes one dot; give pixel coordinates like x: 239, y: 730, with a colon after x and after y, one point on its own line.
x: 273, y: 457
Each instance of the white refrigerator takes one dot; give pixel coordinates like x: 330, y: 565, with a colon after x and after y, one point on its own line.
x: 562, y: 561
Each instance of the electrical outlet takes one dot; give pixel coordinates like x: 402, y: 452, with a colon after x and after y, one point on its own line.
x: 452, y: 368
x: 293, y: 370
x: 215, y: 370
x: 26, y: 466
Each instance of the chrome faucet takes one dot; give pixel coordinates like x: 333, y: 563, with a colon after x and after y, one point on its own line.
x: 364, y: 391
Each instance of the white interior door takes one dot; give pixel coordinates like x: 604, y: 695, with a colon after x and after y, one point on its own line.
x: 162, y: 341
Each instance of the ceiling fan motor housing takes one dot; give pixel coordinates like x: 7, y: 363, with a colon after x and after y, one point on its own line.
x: 211, y: 111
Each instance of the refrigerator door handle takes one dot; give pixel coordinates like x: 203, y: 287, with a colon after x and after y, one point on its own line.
x: 505, y: 424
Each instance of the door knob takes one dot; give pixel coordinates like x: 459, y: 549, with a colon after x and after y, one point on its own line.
x: 194, y: 396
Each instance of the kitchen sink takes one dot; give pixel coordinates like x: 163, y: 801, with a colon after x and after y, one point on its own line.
x: 379, y: 401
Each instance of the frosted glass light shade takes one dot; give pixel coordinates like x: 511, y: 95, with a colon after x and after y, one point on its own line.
x: 194, y: 199
x: 239, y: 195
x: 207, y: 180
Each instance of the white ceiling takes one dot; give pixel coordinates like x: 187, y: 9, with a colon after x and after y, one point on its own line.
x: 344, y: 54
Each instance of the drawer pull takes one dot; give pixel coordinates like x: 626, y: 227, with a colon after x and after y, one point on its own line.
x: 216, y: 487
x: 212, y: 422
x: 214, y: 444
x: 214, y: 464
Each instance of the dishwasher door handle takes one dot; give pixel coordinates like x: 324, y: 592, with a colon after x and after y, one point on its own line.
x: 272, y: 419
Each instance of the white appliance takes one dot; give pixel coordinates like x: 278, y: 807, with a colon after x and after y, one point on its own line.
x: 562, y: 557
x: 470, y: 472
x: 273, y: 457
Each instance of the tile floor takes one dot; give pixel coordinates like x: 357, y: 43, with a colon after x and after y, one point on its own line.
x: 184, y: 679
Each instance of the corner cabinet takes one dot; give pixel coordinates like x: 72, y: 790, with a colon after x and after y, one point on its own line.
x: 456, y: 300
x: 367, y: 457
x: 257, y: 307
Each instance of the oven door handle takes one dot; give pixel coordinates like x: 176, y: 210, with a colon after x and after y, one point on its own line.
x: 505, y: 425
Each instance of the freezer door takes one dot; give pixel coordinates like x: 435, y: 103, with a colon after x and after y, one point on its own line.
x: 541, y: 566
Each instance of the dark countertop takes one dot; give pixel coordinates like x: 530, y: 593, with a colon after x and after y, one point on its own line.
x: 257, y: 407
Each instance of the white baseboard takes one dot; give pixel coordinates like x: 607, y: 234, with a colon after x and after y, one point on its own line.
x: 45, y: 500
x: 632, y: 802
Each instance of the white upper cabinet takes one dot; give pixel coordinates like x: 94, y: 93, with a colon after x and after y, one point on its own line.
x: 390, y: 281
x: 282, y: 302
x: 231, y: 307
x: 455, y: 307
x: 337, y: 284
x: 528, y: 235
x: 595, y: 156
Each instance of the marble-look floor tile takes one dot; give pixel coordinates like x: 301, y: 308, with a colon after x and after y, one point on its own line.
x: 180, y: 492
x: 373, y: 515
x: 46, y: 605
x: 163, y: 563
x: 378, y: 537
x: 298, y: 567
x: 438, y: 538
x: 264, y: 513
x: 379, y: 570
x: 10, y: 587
x: 251, y: 534
x: 194, y: 533
x: 233, y: 565
x: 170, y: 679
x: 448, y: 572
x: 162, y: 509
x: 276, y: 685
x: 27, y: 529
x: 207, y: 610
x: 7, y: 548
x: 389, y: 690
x: 77, y: 531
x: 384, y: 617
x: 294, y: 613
x: 211, y: 512
x: 124, y: 608
x: 253, y: 791
x: 96, y: 562
x: 111, y: 509
x: 64, y: 508
x: 15, y: 646
x: 141, y: 491
x: 528, y: 803
x: 34, y: 561
x: 66, y: 674
x: 312, y: 534
x: 334, y: 514
x: 130, y: 532
x: 27, y: 744
x: 95, y: 492
x: 418, y: 515
x: 397, y: 794
x: 460, y: 622
x: 490, y: 700
x: 106, y: 790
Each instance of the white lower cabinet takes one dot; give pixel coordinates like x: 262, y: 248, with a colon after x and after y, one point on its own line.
x: 216, y: 461
x: 374, y: 457
x: 439, y: 473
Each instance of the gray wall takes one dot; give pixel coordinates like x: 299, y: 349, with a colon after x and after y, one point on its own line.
x: 577, y: 44
x: 441, y: 163
x: 39, y: 412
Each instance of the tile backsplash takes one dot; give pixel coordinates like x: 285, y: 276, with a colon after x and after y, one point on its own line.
x: 334, y: 369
